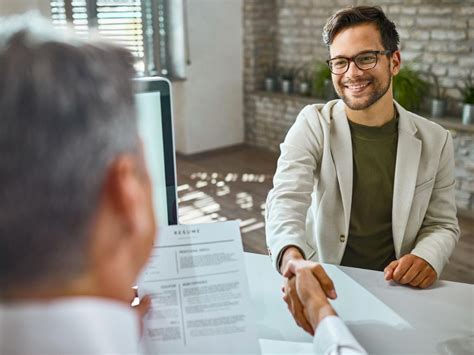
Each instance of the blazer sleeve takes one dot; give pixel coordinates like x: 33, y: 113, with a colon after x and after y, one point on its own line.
x: 334, y: 338
x: 439, y: 231
x: 293, y: 183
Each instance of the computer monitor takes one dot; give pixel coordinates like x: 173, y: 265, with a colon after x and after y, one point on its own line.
x: 155, y: 125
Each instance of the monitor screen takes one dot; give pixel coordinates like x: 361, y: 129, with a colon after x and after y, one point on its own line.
x: 153, y: 103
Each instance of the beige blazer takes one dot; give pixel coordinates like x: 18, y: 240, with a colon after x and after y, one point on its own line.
x: 310, y: 203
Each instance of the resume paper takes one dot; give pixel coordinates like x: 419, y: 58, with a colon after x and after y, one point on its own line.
x: 200, y: 297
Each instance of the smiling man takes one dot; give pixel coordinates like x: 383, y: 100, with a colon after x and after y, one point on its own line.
x: 361, y: 181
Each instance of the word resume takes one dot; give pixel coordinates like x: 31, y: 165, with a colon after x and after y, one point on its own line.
x: 199, y: 290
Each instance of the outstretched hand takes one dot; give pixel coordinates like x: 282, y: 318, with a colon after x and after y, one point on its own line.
x: 306, y: 289
x: 295, y: 266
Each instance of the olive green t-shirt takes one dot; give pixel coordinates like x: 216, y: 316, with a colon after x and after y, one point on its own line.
x: 370, y: 240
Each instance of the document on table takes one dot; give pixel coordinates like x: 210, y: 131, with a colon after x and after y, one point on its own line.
x: 273, y: 347
x: 200, y: 297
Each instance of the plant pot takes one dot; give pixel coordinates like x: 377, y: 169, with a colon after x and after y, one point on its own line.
x: 269, y: 84
x: 468, y: 114
x: 438, y: 108
x: 329, y: 92
x: 303, y: 88
x: 286, y: 86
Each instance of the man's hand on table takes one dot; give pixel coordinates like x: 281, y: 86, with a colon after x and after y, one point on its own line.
x: 292, y: 265
x: 412, y: 270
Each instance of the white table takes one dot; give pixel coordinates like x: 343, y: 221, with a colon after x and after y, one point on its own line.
x: 389, y: 318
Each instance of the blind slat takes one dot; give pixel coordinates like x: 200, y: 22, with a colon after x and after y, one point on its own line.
x: 120, y: 21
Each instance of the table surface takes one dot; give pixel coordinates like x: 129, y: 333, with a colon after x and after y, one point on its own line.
x: 383, y: 316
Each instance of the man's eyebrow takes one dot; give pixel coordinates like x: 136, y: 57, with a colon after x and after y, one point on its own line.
x: 355, y: 55
x: 338, y: 56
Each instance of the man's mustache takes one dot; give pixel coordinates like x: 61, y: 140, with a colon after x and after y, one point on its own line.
x: 356, y: 81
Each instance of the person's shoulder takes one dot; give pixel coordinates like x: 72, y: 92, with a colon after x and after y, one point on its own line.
x: 320, y: 112
x: 312, y: 125
x: 422, y: 126
x: 425, y: 124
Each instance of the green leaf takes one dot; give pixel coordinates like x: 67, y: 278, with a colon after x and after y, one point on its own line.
x: 409, y: 88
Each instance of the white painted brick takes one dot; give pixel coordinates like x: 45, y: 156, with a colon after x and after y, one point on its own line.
x: 435, y: 10
x: 467, y: 61
x: 466, y: 10
x: 448, y: 34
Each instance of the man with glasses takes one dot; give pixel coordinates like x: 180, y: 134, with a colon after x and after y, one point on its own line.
x: 361, y: 181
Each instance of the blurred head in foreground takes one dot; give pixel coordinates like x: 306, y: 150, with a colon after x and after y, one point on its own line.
x: 76, y: 215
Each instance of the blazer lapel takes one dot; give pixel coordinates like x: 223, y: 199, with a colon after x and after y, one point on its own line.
x: 406, y: 172
x: 341, y: 150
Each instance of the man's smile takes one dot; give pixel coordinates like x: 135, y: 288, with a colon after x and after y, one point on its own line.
x: 357, y: 87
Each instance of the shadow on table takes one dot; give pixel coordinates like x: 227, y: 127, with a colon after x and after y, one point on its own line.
x: 458, y: 346
x: 378, y: 338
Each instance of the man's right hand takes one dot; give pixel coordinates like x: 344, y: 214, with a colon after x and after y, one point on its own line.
x: 312, y: 296
x: 292, y: 264
x: 141, y: 308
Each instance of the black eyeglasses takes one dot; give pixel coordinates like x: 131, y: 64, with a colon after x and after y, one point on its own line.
x: 364, y: 61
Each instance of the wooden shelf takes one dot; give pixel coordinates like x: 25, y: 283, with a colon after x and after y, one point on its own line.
x: 453, y: 123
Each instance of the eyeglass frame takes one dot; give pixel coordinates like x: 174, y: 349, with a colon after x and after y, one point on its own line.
x: 352, y: 59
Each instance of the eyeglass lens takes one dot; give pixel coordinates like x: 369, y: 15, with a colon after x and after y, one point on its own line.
x: 363, y: 61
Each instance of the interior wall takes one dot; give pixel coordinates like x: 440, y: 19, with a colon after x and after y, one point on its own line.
x: 208, y: 105
x: 9, y: 7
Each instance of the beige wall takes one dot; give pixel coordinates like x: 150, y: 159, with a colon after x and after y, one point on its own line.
x: 8, y: 7
x: 208, y: 105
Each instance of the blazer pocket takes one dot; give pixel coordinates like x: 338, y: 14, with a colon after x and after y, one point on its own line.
x: 424, y: 186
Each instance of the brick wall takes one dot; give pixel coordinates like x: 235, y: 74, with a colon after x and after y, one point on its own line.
x: 259, y: 50
x: 273, y: 116
x: 464, y: 170
x: 437, y: 36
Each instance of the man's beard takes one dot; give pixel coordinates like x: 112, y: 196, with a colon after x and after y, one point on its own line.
x: 373, y: 98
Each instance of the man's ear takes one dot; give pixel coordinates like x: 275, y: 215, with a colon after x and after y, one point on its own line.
x: 126, y: 193
x: 124, y: 228
x: 396, y: 61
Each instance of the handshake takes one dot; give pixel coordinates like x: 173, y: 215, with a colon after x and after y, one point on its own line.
x: 307, y: 287
x: 306, y: 291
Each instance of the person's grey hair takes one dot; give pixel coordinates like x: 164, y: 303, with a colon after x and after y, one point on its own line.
x: 66, y: 112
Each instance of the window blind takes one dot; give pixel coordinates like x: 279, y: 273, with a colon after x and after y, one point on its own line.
x: 153, y: 30
x: 117, y: 20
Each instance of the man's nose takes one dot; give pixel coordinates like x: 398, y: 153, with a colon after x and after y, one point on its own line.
x: 353, y: 70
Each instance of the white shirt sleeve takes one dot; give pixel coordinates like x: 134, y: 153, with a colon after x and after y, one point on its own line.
x: 334, y: 338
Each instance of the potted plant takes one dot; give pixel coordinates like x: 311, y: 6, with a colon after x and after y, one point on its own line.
x: 409, y: 88
x: 305, y: 79
x: 468, y: 100
x: 438, y: 101
x: 322, y: 83
x: 270, y: 78
x: 287, y: 77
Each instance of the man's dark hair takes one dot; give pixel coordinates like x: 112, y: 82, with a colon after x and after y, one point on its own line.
x: 66, y: 112
x: 356, y: 15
